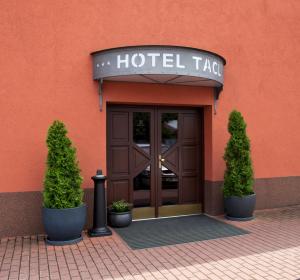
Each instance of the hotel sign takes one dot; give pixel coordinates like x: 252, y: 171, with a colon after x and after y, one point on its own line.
x: 158, y: 60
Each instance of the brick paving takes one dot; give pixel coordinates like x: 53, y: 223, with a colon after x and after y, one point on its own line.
x: 271, y: 251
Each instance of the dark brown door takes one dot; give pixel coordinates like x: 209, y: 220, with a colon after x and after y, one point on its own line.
x: 154, y: 159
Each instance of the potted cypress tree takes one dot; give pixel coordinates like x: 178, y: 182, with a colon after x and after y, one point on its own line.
x: 64, y: 212
x: 239, y: 197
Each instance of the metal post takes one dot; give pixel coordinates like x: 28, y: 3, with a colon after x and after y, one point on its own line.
x: 100, y: 216
x: 101, y: 94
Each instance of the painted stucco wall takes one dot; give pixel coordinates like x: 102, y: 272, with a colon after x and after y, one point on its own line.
x: 46, y: 74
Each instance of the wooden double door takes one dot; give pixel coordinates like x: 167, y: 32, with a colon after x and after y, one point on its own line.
x: 154, y: 159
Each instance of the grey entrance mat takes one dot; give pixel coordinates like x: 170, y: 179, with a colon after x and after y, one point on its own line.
x: 170, y: 231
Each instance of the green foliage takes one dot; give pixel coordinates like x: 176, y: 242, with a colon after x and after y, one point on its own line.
x: 120, y: 206
x: 62, y: 180
x: 238, y: 177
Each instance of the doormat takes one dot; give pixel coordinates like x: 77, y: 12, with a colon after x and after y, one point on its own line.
x: 178, y: 230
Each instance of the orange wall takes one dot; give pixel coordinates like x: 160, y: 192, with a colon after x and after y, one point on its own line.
x: 46, y: 74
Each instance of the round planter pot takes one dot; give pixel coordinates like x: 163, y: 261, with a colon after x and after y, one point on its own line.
x: 240, y: 208
x: 120, y: 219
x: 64, y: 226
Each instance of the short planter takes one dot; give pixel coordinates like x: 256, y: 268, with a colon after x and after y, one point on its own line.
x: 122, y: 219
x: 64, y: 226
x: 240, y: 208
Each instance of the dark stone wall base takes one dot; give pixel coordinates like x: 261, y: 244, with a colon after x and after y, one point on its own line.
x: 270, y: 193
x: 20, y: 213
x: 213, y: 198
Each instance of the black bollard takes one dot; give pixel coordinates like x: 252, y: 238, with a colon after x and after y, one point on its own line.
x: 100, y: 216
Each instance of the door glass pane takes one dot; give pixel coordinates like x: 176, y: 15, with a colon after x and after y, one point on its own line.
x: 169, y: 129
x: 141, y: 188
x: 169, y: 187
x: 141, y: 130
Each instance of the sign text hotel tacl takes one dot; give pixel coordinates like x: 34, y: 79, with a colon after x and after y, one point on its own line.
x: 158, y: 60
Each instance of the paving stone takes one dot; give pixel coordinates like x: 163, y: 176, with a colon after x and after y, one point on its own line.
x: 270, y: 251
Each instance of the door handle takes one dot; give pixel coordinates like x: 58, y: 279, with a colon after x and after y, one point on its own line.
x: 160, y: 160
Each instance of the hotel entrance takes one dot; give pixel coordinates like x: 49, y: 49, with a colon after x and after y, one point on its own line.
x: 155, y: 159
x: 155, y: 154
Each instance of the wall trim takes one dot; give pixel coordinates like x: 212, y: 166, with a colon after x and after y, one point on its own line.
x: 273, y: 192
x: 21, y: 212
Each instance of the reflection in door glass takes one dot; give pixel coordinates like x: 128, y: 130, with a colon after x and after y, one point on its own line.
x: 169, y: 129
x: 141, y: 188
x: 141, y: 130
x: 169, y: 187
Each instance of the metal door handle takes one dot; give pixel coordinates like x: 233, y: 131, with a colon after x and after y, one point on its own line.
x: 160, y: 158
x: 160, y: 161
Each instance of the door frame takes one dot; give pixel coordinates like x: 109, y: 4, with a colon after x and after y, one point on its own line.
x: 155, y: 129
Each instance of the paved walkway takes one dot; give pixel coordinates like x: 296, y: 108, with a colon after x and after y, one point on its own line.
x: 271, y: 251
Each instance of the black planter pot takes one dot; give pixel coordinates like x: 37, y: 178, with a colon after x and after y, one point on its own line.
x: 120, y: 219
x: 240, y: 208
x: 64, y: 226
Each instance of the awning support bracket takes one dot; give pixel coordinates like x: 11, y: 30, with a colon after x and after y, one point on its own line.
x: 101, y: 94
x: 217, y: 91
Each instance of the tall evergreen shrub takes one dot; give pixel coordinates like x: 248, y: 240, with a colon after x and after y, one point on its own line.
x: 238, y: 177
x: 62, y: 180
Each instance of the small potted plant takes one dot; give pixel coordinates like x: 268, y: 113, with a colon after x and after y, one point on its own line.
x: 239, y: 197
x: 64, y: 213
x: 120, y: 214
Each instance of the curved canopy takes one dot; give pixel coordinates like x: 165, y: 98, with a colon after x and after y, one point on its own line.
x: 159, y: 64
